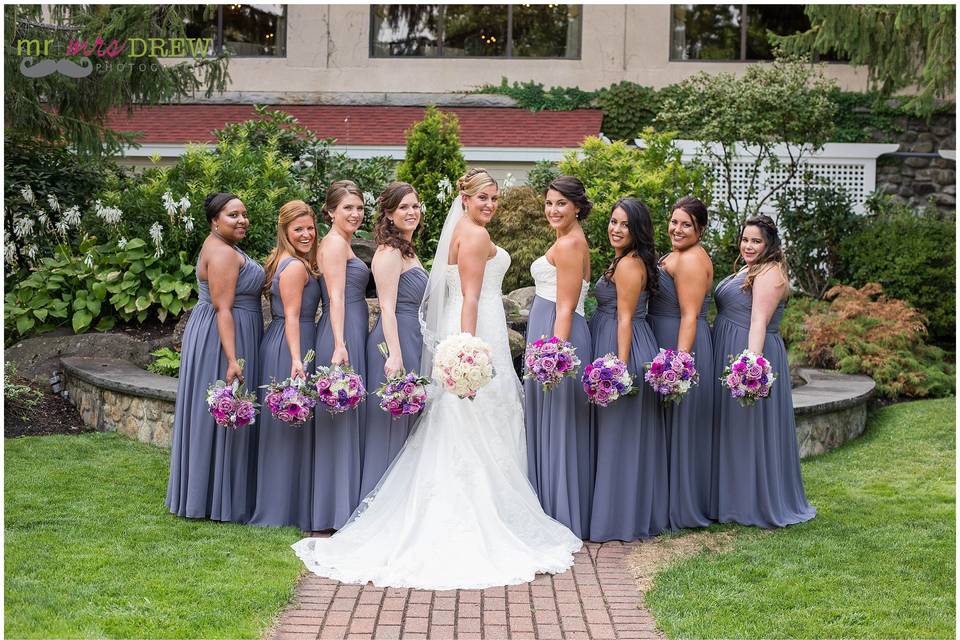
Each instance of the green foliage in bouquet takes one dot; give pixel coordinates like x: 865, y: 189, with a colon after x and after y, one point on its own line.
x: 863, y: 331
x: 521, y: 228
x: 654, y: 174
x: 99, y: 285
x: 913, y: 255
x: 432, y: 165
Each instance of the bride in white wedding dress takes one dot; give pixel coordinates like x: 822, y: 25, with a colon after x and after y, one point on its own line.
x: 455, y: 509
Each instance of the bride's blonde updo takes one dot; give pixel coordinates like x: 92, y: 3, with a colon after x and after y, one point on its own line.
x: 475, y: 181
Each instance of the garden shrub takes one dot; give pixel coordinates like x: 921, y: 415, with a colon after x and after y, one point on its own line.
x: 912, y: 255
x: 533, y: 97
x: 863, y: 331
x: 99, y: 285
x: 432, y: 164
x: 521, y: 228
x: 814, y: 219
x: 19, y: 394
x: 654, y: 174
x: 542, y: 174
x: 166, y: 362
x: 271, y: 129
x: 628, y: 109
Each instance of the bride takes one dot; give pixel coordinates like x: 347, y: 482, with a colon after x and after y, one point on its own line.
x: 455, y: 509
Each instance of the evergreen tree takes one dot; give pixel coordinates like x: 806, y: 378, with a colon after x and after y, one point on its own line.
x: 432, y: 164
x: 73, y: 110
x: 902, y: 45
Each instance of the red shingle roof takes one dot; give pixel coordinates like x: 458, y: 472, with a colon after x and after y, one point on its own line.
x: 368, y: 125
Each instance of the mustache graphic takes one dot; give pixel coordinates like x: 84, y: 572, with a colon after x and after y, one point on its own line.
x: 67, y: 67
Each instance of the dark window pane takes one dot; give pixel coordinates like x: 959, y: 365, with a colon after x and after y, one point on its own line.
x: 475, y: 30
x: 705, y: 32
x: 406, y: 29
x: 260, y: 31
x: 546, y: 30
x: 781, y: 19
x: 201, y: 22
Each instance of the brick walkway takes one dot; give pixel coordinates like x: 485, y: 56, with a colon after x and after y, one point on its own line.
x: 597, y: 598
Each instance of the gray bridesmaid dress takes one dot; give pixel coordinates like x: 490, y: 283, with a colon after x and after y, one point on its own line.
x: 338, y: 440
x: 630, y: 498
x: 213, y: 468
x: 757, y: 477
x: 285, y: 452
x: 384, y: 434
x: 561, y: 439
x: 689, y: 423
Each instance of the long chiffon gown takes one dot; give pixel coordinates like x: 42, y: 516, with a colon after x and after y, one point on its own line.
x: 285, y: 452
x: 385, y: 434
x: 630, y: 498
x: 689, y: 423
x: 213, y: 468
x: 561, y: 442
x: 338, y: 440
x: 757, y: 466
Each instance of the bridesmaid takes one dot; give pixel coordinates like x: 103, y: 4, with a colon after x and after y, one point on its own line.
x: 341, y: 339
x: 561, y: 444
x: 283, y: 469
x: 401, y: 282
x: 211, y: 467
x: 630, y: 499
x: 678, y: 317
x: 757, y: 463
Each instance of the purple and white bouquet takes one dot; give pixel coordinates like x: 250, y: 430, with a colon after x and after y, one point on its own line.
x: 403, y: 394
x: 550, y: 360
x: 293, y: 399
x: 671, y: 374
x: 231, y: 405
x: 463, y: 365
x: 749, y: 377
x: 338, y: 388
x: 606, y: 379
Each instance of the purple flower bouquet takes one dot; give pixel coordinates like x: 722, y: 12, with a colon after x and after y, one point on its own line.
x: 292, y: 400
x: 549, y: 361
x: 606, y: 379
x: 231, y: 405
x: 338, y: 388
x: 671, y: 374
x: 749, y: 377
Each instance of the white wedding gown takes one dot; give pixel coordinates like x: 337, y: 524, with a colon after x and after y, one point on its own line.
x: 455, y: 510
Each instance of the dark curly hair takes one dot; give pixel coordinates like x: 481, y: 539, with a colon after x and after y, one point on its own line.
x: 384, y: 231
x: 772, y: 251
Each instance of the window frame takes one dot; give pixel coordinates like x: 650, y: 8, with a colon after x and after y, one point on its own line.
x: 218, y: 39
x: 371, y: 51
x: 742, y: 59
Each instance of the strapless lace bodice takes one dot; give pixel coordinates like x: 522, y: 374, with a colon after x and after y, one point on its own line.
x: 545, y: 278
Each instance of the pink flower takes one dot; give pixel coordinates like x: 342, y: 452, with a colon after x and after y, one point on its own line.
x: 733, y: 381
x: 754, y: 371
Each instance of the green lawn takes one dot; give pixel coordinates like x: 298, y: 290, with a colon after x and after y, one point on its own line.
x: 91, y: 550
x: 877, y: 562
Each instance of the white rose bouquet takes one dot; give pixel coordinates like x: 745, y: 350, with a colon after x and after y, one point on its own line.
x: 463, y: 365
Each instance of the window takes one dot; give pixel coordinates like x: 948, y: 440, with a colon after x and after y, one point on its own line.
x: 242, y: 29
x: 732, y: 31
x: 472, y: 30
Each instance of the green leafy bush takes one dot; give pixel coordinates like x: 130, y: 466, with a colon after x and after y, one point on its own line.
x: 271, y: 129
x: 99, y: 285
x: 521, y: 228
x: 863, y: 331
x: 166, y: 362
x: 532, y: 96
x: 432, y: 164
x: 542, y: 174
x: 628, y: 109
x: 654, y: 174
x: 20, y: 394
x: 814, y: 220
x: 912, y: 255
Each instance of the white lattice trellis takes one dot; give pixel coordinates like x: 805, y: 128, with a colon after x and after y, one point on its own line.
x: 851, y: 167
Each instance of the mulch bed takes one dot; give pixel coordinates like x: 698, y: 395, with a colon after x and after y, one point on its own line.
x: 52, y: 415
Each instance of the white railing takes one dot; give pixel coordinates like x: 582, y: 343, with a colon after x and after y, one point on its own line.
x: 851, y: 167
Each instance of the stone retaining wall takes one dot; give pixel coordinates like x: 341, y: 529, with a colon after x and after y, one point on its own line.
x: 113, y: 395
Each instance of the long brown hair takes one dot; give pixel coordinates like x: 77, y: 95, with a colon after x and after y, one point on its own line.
x: 384, y: 231
x: 336, y: 192
x: 772, y: 251
x: 288, y: 213
x: 642, y: 245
